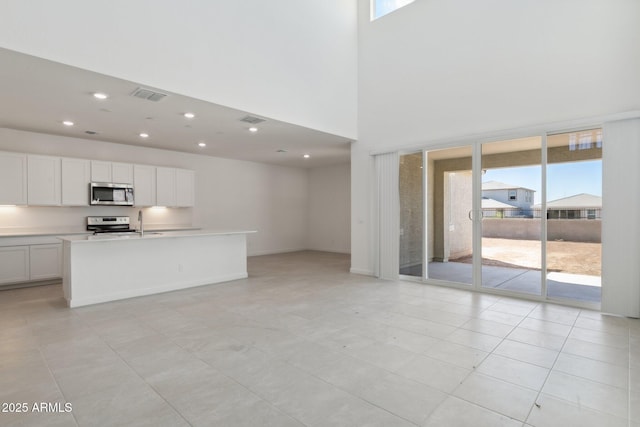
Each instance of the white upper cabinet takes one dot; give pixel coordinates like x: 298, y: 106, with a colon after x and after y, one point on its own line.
x: 36, y: 180
x: 122, y: 173
x: 175, y: 187
x: 76, y: 175
x: 43, y: 180
x: 100, y: 171
x: 165, y: 186
x: 13, y: 176
x: 185, y: 188
x: 144, y: 185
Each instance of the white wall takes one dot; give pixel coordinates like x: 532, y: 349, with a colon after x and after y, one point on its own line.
x: 329, y: 208
x: 444, y: 70
x: 230, y: 194
x: 289, y: 60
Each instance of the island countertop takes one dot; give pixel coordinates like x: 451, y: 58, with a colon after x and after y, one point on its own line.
x: 109, y: 237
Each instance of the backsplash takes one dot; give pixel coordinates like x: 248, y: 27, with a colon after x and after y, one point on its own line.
x: 37, y: 217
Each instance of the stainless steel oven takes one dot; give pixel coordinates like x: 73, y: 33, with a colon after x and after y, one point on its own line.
x: 109, y: 224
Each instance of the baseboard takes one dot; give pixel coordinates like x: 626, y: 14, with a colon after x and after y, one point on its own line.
x: 285, y: 251
x: 331, y: 251
x: 275, y: 251
x: 361, y: 271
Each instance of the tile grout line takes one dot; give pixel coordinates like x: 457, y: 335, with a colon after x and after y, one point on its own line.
x: 473, y: 370
x: 54, y: 377
x: 535, y: 402
x: 141, y: 378
x: 587, y: 379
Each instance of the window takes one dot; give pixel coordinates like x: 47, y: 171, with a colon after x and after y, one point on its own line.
x: 380, y: 8
x: 513, y: 194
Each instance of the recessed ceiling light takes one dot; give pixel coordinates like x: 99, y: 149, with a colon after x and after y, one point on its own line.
x: 201, y: 144
x: 189, y: 115
x: 67, y: 123
x: 253, y: 129
x: 306, y: 156
x: 100, y: 95
x: 144, y: 135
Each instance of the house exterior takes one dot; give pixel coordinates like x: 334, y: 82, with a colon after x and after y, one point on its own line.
x: 512, y: 200
x: 579, y: 206
x: 492, y: 208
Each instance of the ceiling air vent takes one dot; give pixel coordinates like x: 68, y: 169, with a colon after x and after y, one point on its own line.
x: 252, y: 119
x: 148, y: 94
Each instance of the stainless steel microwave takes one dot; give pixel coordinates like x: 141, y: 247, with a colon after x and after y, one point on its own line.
x: 106, y: 193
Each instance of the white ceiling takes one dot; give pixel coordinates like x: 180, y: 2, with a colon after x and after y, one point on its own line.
x: 38, y: 95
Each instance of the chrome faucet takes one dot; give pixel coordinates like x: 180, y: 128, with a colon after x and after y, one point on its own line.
x: 141, y: 224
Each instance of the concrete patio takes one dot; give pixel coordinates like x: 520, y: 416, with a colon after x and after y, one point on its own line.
x: 566, y: 286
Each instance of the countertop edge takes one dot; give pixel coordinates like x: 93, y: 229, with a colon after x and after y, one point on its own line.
x: 72, y: 232
x: 150, y: 235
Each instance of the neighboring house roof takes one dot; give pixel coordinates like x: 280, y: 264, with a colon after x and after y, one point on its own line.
x: 497, y: 185
x: 488, y: 203
x: 578, y: 201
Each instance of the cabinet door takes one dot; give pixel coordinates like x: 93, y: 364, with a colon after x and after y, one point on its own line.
x: 144, y: 185
x: 43, y: 180
x: 185, y: 188
x: 14, y: 264
x: 165, y: 186
x: 45, y: 261
x: 13, y: 176
x: 122, y: 173
x: 100, y: 171
x: 76, y: 175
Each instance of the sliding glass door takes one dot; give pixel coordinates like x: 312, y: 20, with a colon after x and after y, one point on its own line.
x: 449, y: 224
x: 511, y: 224
x: 574, y: 214
x: 518, y: 216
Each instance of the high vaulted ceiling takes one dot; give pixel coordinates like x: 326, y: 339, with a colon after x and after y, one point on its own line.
x: 38, y: 95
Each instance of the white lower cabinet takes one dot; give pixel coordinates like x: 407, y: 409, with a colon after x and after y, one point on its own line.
x: 14, y: 264
x: 27, y: 263
x: 45, y: 261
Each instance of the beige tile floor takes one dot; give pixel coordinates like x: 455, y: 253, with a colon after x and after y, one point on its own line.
x: 304, y: 343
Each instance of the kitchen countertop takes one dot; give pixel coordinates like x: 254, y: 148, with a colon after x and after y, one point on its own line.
x: 68, y: 230
x: 148, y: 234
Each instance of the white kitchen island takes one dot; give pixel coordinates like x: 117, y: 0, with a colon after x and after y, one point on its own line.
x: 110, y: 267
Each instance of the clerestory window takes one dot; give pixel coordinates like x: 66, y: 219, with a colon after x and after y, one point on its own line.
x: 380, y: 8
